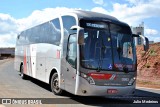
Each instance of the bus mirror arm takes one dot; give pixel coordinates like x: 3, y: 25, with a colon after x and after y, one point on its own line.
x: 135, y: 35
x: 74, y: 27
x: 145, y: 41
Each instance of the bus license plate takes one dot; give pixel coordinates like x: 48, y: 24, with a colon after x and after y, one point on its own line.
x: 112, y: 91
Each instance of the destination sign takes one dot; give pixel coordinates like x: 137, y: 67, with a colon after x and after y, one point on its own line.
x: 93, y: 24
x: 96, y: 25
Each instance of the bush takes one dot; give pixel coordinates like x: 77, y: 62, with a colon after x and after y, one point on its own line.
x: 147, y: 65
x: 152, y: 52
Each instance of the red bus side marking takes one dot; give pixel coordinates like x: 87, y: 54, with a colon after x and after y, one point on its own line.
x: 58, y: 54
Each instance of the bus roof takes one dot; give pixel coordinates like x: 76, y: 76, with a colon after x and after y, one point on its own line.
x: 96, y: 16
x: 89, y: 14
x: 81, y: 14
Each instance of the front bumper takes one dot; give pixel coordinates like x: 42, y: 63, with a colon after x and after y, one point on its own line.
x: 86, y: 89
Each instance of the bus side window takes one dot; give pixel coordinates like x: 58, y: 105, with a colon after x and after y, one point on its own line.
x: 21, y: 39
x: 54, y: 32
x: 68, y: 22
x: 72, y: 50
x: 127, y: 50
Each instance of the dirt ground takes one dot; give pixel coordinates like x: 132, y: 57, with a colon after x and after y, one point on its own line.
x: 147, y: 84
x: 148, y: 74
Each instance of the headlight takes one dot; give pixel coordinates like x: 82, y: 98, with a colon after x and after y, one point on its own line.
x: 91, y: 81
x: 132, y: 80
x: 84, y: 75
x: 88, y: 78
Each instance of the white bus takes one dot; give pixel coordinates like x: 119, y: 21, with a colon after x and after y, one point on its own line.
x: 82, y: 52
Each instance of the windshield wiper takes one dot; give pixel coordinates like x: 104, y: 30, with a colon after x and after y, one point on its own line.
x: 101, y: 57
x: 99, y: 65
x: 118, y: 47
x: 119, y: 51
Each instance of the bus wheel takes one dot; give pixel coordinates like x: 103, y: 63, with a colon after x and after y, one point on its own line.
x: 55, y: 85
x: 23, y: 76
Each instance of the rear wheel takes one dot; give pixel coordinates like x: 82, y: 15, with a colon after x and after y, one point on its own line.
x: 23, y: 76
x: 55, y: 85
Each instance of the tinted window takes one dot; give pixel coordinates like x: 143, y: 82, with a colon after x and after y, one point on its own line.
x: 53, y: 33
x: 45, y: 33
x: 72, y: 50
x: 123, y: 47
x: 96, y: 51
x: 68, y: 22
x: 31, y: 35
x: 21, y: 39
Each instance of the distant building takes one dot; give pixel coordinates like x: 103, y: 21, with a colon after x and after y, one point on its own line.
x: 7, y: 52
x: 151, y: 42
x: 139, y: 31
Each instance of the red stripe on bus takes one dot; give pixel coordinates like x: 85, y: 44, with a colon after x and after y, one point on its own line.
x: 58, y: 54
x: 100, y: 76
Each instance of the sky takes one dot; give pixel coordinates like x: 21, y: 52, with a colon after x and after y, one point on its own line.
x: 18, y: 15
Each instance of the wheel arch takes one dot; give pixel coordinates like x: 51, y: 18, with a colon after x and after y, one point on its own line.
x: 21, y: 63
x: 52, y: 72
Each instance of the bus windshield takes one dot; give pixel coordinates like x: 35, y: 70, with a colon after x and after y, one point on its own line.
x: 124, y: 53
x: 96, y: 52
x: 109, y: 48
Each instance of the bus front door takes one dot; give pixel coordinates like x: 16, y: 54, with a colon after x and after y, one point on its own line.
x: 71, y: 62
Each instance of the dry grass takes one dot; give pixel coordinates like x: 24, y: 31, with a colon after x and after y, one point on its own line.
x: 148, y: 84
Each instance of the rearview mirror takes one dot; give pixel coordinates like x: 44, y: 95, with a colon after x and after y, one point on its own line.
x: 145, y: 41
x: 81, y: 36
x: 146, y: 44
x: 80, y: 33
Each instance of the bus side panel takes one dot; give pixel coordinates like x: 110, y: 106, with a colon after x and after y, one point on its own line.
x: 27, y: 62
x: 18, y: 57
x: 53, y: 60
x: 33, y: 49
x: 41, y: 54
x: 46, y: 58
x: 38, y: 60
x: 52, y: 63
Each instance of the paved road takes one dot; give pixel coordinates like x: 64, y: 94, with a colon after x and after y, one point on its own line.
x: 12, y: 86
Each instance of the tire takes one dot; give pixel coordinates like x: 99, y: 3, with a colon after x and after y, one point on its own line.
x: 23, y: 76
x: 54, y: 85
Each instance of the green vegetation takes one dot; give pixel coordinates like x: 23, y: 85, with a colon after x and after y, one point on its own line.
x: 152, y: 52
x: 147, y: 65
x: 147, y: 82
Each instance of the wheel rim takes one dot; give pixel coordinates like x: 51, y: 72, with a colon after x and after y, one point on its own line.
x: 55, y: 84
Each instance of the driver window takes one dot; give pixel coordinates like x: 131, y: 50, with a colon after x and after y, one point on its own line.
x: 72, y: 50
x: 127, y: 50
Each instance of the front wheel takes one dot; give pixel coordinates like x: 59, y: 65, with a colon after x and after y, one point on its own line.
x: 55, y: 85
